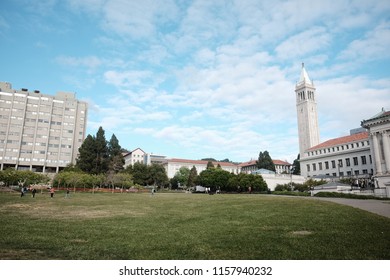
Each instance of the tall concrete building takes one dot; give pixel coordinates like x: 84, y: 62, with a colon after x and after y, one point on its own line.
x: 40, y: 132
x: 308, y: 130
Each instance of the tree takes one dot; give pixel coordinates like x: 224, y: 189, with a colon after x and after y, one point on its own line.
x: 297, y: 166
x: 157, y: 175
x: 182, y: 176
x: 114, y: 148
x: 192, y: 178
x: 140, y: 173
x: 87, y: 159
x: 210, y: 165
x: 265, y: 161
x: 115, y: 154
x: 102, y: 155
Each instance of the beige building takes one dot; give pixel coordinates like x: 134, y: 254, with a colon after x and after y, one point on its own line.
x: 139, y: 156
x: 40, y: 132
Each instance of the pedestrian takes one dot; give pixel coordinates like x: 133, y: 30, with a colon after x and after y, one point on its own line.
x: 52, y: 192
x: 250, y: 190
x: 33, y: 192
x: 67, y: 193
x: 21, y: 192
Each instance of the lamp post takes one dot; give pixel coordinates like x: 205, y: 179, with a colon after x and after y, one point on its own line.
x: 292, y: 169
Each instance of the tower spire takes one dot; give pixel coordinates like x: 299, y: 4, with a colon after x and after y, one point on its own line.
x: 304, y: 79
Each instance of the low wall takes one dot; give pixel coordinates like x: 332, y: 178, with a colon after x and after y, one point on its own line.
x: 273, y: 180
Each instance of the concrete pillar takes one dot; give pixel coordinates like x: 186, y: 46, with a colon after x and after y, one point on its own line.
x: 386, y: 150
x: 377, y: 155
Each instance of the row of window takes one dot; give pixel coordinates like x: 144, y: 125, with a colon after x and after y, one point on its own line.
x: 340, y: 163
x: 350, y: 173
x: 36, y: 144
x: 302, y: 95
x: 340, y: 148
x: 36, y: 160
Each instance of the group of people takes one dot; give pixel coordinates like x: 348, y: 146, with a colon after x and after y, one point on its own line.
x: 33, y: 190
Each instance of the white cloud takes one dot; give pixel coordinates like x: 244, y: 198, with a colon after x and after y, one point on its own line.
x: 91, y: 62
x: 304, y: 43
x: 373, y: 46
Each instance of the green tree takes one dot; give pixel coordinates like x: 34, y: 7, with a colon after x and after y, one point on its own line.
x: 140, y: 173
x: 192, y: 177
x: 114, y: 148
x: 210, y: 165
x: 182, y: 176
x: 87, y: 159
x: 265, y: 161
x: 297, y: 166
x: 158, y: 175
x: 102, y: 155
x: 115, y: 155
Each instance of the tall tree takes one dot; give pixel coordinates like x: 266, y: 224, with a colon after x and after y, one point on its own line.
x: 87, y: 158
x: 114, y: 148
x: 115, y: 154
x: 192, y: 177
x: 102, y: 155
x: 265, y: 161
x: 296, y: 166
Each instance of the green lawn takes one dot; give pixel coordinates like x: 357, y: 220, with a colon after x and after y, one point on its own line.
x: 187, y: 226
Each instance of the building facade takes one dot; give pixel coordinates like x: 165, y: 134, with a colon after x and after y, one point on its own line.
x: 342, y: 157
x: 40, y: 132
x: 281, y: 167
x: 379, y: 137
x: 138, y: 155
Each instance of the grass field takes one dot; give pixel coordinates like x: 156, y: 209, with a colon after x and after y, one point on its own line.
x: 187, y: 226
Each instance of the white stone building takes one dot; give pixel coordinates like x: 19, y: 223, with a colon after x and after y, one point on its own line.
x: 280, y: 166
x: 173, y: 165
x: 379, y: 133
x: 347, y: 156
x: 40, y: 132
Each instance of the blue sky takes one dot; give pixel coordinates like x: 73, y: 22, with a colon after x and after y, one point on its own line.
x: 195, y: 79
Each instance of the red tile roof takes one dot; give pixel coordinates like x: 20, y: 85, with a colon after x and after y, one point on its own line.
x: 280, y: 162
x: 253, y: 162
x: 341, y: 140
x: 215, y: 163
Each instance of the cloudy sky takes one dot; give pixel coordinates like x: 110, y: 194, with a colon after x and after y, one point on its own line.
x: 195, y: 79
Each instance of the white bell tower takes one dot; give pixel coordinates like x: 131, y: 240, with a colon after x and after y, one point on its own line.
x: 308, y: 131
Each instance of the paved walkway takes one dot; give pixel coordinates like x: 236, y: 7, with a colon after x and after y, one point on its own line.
x: 380, y: 207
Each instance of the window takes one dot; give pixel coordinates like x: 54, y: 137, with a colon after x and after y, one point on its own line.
x: 314, y: 167
x: 347, y: 162
x: 308, y: 167
x: 326, y: 165
x: 340, y: 164
x: 356, y: 172
x: 364, y: 161
x: 333, y: 164
x: 355, y: 161
x: 320, y: 165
